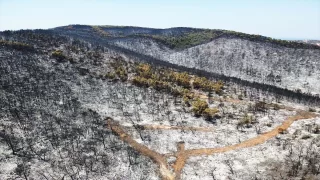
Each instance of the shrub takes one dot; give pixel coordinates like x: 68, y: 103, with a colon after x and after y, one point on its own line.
x: 58, y: 54
x: 187, y: 96
x: 188, y: 93
x: 198, y: 107
x: 144, y: 70
x: 245, y: 121
x: 209, y: 113
x: 17, y: 45
x: 186, y: 101
x: 122, y: 73
x: 182, y: 79
x: 110, y: 75
x: 140, y: 81
x: 176, y: 92
x: 160, y: 85
x: 100, y: 31
x: 207, y: 85
x: 218, y: 87
x: 198, y: 82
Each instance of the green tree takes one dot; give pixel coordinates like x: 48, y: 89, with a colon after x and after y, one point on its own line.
x: 209, y: 113
x: 198, y: 107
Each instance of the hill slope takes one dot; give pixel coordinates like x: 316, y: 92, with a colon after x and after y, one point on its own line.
x: 254, y: 58
x: 76, y: 104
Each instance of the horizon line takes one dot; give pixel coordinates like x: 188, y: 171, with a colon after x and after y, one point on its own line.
x: 282, y: 38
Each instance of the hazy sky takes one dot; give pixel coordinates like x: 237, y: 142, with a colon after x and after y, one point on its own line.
x: 286, y: 19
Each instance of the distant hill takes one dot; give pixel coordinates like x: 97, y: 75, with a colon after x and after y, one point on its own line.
x: 254, y: 58
x: 286, y: 64
x: 176, y: 38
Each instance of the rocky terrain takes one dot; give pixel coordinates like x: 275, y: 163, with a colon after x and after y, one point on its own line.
x: 82, y: 102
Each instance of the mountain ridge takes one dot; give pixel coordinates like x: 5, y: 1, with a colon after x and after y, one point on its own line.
x: 209, y: 34
x: 285, y: 64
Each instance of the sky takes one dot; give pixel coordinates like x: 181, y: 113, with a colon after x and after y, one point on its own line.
x: 284, y: 19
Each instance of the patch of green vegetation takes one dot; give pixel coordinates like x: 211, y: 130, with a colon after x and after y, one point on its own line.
x: 209, y: 113
x: 199, y: 106
x: 187, y: 97
x: 111, y: 75
x: 100, y: 31
x: 199, y: 36
x: 16, y: 45
x: 246, y: 121
x: 119, y: 70
x: 184, y: 40
x: 182, y: 79
x: 140, y: 81
x: 179, y: 84
x: 60, y: 56
x: 190, y: 39
x: 168, y: 79
x: 207, y: 85
x: 194, y: 38
x: 122, y: 73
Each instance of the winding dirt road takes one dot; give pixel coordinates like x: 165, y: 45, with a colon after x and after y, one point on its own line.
x: 166, y: 127
x: 173, y: 172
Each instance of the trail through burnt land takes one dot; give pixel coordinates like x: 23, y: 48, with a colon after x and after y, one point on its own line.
x: 173, y: 171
